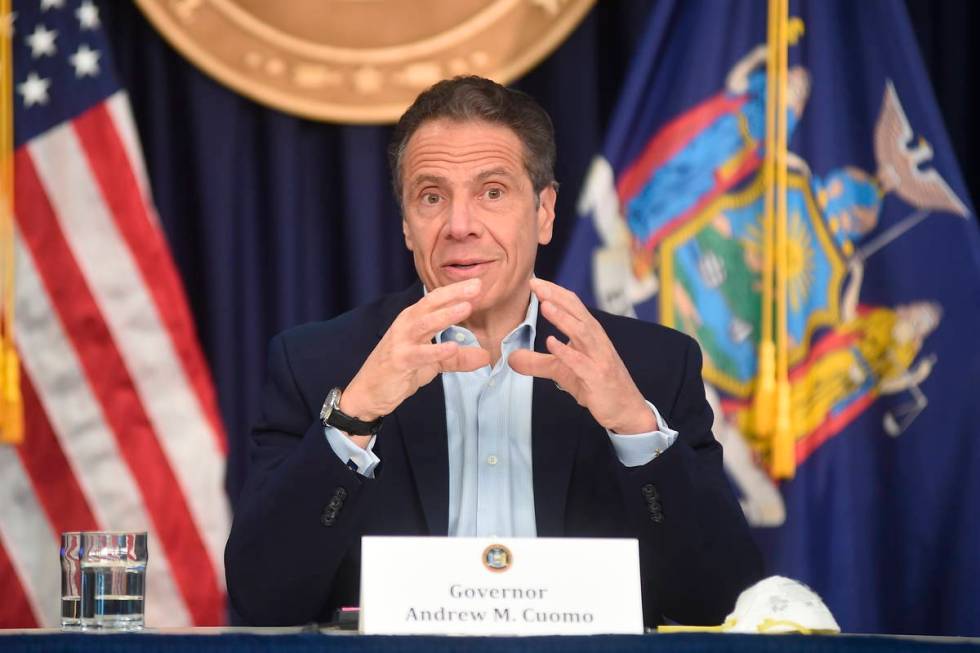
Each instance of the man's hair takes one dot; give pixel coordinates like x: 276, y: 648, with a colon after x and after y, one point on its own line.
x: 471, y: 98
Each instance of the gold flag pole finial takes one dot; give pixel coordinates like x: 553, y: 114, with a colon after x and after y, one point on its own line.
x: 11, y: 401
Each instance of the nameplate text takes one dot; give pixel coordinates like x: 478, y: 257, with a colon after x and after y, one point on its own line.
x: 509, y: 586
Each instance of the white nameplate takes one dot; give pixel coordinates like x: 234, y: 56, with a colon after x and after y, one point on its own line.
x: 505, y: 586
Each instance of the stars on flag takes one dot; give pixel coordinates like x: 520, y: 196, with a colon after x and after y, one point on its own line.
x: 86, y: 61
x: 60, y: 41
x: 41, y: 42
x: 88, y: 15
x: 34, y: 90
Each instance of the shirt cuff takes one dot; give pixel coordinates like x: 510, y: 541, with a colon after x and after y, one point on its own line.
x: 362, y: 461
x: 639, y: 449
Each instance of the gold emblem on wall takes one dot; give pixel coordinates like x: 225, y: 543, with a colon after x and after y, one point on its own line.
x: 359, y: 61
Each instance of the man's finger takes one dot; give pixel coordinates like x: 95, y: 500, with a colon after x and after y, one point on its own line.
x: 466, y: 359
x: 533, y: 363
x: 546, y: 366
x: 445, y: 295
x: 581, y: 333
x: 580, y: 365
x: 552, y: 292
x: 421, y: 355
x: 427, y: 325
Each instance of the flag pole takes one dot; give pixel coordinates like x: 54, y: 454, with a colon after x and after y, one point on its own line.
x: 765, y: 386
x: 783, y: 450
x: 11, y: 402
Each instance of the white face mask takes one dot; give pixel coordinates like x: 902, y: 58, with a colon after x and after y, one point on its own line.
x: 773, y: 605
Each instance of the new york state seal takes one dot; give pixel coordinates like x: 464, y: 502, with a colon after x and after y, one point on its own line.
x: 359, y: 61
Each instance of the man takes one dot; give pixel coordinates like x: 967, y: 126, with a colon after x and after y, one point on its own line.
x: 420, y: 413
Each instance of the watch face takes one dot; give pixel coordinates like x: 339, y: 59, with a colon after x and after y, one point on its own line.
x: 331, y: 403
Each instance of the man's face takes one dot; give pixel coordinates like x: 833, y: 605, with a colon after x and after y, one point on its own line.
x: 469, y: 209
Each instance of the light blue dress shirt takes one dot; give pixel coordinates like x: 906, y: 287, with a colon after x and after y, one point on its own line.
x: 488, y: 423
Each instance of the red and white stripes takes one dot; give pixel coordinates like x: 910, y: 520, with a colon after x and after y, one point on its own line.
x: 122, y: 427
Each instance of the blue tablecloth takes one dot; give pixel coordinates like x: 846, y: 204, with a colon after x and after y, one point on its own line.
x: 346, y: 643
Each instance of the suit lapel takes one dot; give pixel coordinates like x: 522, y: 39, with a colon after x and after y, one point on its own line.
x: 555, y: 426
x: 422, y: 418
x: 395, y: 304
x: 422, y: 421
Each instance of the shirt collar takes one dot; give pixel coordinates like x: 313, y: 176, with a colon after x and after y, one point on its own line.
x: 521, y: 337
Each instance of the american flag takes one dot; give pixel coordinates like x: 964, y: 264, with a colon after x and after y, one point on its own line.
x: 122, y: 430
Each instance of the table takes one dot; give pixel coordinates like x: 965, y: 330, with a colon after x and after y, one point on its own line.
x: 297, y: 640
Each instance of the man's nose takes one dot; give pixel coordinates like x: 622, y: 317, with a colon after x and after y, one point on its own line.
x: 463, y: 221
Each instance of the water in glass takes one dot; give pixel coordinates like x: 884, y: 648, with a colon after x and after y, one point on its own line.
x: 70, y: 580
x: 113, y: 581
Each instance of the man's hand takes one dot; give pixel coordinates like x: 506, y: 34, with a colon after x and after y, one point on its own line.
x: 406, y: 359
x: 588, y: 367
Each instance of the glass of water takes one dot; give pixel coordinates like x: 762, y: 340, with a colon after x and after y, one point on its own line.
x: 71, y: 580
x: 113, y: 580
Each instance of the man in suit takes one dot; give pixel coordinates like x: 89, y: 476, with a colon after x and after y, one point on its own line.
x: 482, y: 401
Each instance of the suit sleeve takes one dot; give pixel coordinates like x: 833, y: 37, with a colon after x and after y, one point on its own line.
x: 696, y: 551
x: 296, y: 519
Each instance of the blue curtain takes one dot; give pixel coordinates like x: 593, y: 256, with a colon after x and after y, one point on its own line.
x: 275, y: 220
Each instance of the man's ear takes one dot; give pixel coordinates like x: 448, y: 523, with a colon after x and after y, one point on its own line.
x: 547, y: 199
x: 408, y: 236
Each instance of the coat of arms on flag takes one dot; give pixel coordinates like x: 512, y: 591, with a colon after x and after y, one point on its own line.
x: 787, y: 203
x: 691, y: 239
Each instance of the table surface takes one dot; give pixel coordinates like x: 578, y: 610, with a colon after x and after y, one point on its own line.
x: 302, y: 640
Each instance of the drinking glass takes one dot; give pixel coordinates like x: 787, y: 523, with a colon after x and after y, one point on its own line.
x: 113, y: 580
x: 71, y: 580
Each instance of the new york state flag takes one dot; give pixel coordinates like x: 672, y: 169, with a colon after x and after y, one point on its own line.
x: 839, y: 325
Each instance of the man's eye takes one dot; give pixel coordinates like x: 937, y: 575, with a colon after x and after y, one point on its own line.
x: 494, y: 193
x: 430, y: 198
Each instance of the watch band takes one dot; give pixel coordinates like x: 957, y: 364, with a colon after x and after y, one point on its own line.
x: 331, y: 415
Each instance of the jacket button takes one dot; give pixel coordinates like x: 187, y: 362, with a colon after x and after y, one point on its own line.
x: 329, y: 515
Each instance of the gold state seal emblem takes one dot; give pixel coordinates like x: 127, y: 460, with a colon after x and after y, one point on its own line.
x: 360, y: 61
x: 497, y: 557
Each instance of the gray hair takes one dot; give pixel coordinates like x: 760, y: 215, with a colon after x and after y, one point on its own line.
x: 471, y: 98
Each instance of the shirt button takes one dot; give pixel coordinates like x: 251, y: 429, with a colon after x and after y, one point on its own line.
x: 492, y: 382
x: 491, y: 460
x: 460, y: 337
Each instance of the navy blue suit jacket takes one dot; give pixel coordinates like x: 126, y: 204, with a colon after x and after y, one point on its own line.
x: 293, y: 555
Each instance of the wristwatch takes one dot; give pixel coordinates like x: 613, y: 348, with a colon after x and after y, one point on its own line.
x: 331, y: 415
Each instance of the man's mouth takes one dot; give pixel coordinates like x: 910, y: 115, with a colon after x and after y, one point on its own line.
x: 464, y: 267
